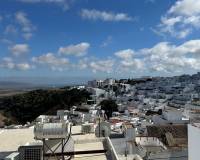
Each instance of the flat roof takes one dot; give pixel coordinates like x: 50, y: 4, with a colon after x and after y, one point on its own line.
x: 89, y: 146
x: 11, y: 139
x: 86, y: 142
x: 196, y: 125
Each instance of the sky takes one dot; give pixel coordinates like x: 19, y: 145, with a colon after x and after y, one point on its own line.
x: 98, y: 38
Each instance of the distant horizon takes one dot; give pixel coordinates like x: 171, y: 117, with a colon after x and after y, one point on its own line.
x: 62, y: 81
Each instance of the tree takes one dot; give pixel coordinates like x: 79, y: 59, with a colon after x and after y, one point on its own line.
x: 26, y: 107
x: 109, y: 106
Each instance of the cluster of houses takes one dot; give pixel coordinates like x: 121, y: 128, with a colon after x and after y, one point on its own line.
x: 156, y: 118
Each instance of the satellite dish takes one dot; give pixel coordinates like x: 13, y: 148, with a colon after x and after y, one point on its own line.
x: 103, y: 130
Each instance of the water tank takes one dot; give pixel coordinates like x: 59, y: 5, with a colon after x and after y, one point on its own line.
x: 51, y: 130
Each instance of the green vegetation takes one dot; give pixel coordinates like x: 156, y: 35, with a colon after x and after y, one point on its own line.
x: 26, y: 107
x: 137, y: 81
x: 109, y: 106
x: 150, y: 112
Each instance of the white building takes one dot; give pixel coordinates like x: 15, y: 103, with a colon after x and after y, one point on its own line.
x: 109, y: 81
x: 96, y: 91
x: 193, y: 141
x: 95, y: 83
x: 172, y: 115
x: 192, y: 112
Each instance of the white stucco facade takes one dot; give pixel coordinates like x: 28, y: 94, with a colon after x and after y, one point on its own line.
x: 193, y: 141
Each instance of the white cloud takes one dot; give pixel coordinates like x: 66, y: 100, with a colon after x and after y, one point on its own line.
x: 27, y: 26
x: 171, y: 58
x: 181, y: 19
x: 166, y: 49
x: 132, y: 63
x: 96, y: 65
x: 62, y: 3
x: 9, y: 63
x: 19, y: 49
x: 76, y: 50
x: 163, y: 57
x: 104, y: 16
x: 176, y: 64
x: 23, y: 66
x: 185, y: 7
x: 125, y: 54
x: 101, y: 66
x: 128, y: 61
x: 19, y: 24
x: 55, y: 63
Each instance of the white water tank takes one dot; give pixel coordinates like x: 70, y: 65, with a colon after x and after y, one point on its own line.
x: 51, y: 130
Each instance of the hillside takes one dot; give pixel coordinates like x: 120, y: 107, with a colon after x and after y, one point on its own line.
x: 22, y: 108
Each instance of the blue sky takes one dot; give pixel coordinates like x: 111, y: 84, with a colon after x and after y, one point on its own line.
x: 99, y: 38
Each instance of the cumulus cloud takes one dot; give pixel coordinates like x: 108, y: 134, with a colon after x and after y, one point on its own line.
x: 101, y: 66
x: 128, y: 61
x: 23, y: 66
x: 55, y: 63
x: 104, y: 16
x: 27, y: 26
x: 171, y: 58
x: 9, y: 63
x: 181, y: 19
x: 19, y: 49
x: 166, y: 49
x: 125, y: 54
x: 186, y: 7
x: 163, y: 57
x: 96, y: 65
x: 76, y: 50
x: 133, y: 63
x: 19, y: 24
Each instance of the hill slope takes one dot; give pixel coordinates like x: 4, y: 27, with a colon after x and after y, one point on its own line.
x: 26, y: 107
